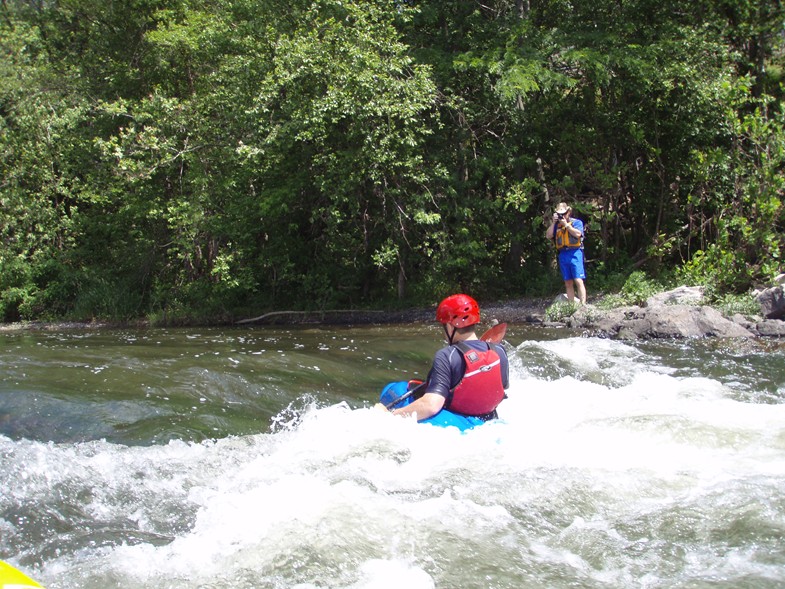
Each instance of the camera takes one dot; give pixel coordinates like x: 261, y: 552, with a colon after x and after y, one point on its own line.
x: 559, y: 216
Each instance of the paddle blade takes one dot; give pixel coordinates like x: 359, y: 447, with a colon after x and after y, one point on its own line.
x: 395, y: 393
x: 495, y: 334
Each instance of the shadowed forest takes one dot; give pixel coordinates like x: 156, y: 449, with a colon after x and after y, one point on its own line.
x: 216, y: 159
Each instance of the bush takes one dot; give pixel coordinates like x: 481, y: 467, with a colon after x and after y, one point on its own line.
x: 559, y: 311
x: 744, y: 304
x: 611, y: 301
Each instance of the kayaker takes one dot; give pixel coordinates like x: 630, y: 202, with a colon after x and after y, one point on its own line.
x: 468, y: 376
x: 567, y: 234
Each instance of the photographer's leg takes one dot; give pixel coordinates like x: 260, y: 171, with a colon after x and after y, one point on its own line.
x: 581, y: 288
x: 568, y: 285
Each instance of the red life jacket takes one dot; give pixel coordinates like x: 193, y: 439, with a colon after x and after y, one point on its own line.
x: 480, y: 390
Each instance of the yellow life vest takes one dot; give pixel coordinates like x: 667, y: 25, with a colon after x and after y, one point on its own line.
x: 563, y: 239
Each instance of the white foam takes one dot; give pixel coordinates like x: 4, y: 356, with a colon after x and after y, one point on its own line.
x: 611, y: 481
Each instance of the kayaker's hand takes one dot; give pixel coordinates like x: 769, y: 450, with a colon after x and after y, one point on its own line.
x: 380, y: 407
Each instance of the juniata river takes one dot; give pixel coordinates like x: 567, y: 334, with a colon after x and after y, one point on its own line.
x: 252, y: 459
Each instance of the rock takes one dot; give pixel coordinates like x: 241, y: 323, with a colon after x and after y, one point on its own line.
x: 683, y: 295
x: 560, y: 299
x: 771, y: 328
x: 674, y: 314
x: 608, y: 322
x: 662, y: 321
x: 627, y: 334
x: 701, y: 322
x: 772, y: 302
x: 740, y: 319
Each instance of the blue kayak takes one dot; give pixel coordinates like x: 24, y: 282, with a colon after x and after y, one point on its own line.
x: 398, y: 391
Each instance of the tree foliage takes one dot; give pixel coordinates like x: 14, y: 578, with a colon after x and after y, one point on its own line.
x: 203, y: 159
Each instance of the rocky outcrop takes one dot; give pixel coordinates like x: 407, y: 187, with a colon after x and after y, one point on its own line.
x: 683, y: 295
x: 673, y: 314
x: 659, y: 321
x: 772, y: 302
x: 679, y: 314
x: 770, y: 328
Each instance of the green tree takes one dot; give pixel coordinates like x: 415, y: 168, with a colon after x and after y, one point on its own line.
x: 737, y: 205
x: 37, y: 123
x: 292, y: 155
x: 161, y: 156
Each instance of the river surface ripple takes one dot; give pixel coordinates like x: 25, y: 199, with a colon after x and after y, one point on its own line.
x: 229, y: 458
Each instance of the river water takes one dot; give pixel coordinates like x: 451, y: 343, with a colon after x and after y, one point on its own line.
x: 251, y: 458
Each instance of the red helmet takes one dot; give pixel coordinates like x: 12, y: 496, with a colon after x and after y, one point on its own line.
x: 459, y: 310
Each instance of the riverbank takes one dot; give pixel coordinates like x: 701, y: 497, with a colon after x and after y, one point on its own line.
x: 675, y: 314
x: 528, y: 310
x: 671, y: 315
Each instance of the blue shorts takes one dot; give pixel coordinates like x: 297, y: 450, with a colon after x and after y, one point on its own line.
x: 571, y: 264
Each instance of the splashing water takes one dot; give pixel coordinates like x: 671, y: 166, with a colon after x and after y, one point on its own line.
x: 609, y: 468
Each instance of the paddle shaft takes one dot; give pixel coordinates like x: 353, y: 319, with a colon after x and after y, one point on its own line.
x: 406, y: 395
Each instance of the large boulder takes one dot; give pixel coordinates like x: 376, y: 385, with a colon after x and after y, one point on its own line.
x: 771, y: 328
x: 683, y: 295
x: 661, y: 321
x: 672, y: 314
x: 690, y: 321
x: 679, y: 313
x: 772, y: 302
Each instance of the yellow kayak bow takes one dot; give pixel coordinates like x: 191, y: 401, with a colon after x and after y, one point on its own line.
x: 11, y: 578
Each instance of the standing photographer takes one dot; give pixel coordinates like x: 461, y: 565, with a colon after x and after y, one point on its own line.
x: 567, y: 234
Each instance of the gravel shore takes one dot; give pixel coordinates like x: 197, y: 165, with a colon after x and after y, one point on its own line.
x: 530, y: 310
x: 510, y: 311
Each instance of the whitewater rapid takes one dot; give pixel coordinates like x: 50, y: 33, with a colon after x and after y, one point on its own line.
x: 608, y: 468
